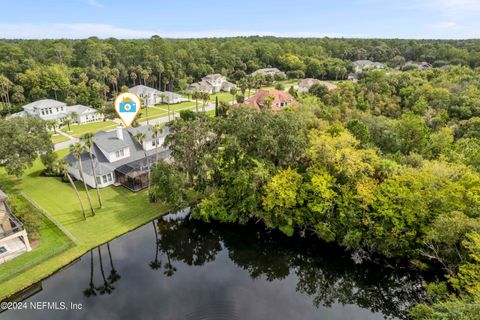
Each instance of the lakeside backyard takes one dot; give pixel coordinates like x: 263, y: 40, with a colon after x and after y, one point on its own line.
x: 122, y: 211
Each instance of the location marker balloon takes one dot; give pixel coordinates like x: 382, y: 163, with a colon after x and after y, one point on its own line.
x: 127, y: 105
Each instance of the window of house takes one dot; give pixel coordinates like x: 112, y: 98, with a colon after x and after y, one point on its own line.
x: 154, y: 143
x: 119, y: 153
x: 99, y: 180
x: 109, y: 177
x: 3, y: 250
x: 105, y: 179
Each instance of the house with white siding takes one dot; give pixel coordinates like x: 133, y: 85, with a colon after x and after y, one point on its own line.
x: 119, y: 158
x: 49, y: 109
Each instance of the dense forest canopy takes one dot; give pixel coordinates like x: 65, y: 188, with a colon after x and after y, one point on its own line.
x: 90, y: 71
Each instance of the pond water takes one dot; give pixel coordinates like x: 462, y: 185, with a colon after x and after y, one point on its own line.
x: 209, y: 271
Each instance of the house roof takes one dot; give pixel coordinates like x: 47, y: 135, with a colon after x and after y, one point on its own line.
x: 307, y: 83
x: 44, y: 103
x: 142, y: 90
x: 266, y: 71
x: 367, y: 63
x: 172, y: 95
x: 80, y: 109
x: 108, y: 141
x: 257, y: 100
x: 212, y: 77
x: 147, y: 131
x: 228, y: 85
x: 201, y: 86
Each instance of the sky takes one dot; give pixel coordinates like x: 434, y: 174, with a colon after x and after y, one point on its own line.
x: 417, y: 19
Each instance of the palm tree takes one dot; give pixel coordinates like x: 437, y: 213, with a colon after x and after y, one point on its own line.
x: 67, y: 122
x: 90, y: 291
x: 87, y: 139
x: 205, y: 97
x: 140, y: 137
x: 62, y: 168
x: 106, y: 288
x: 169, y: 268
x: 74, y: 117
x: 233, y: 92
x: 114, y: 276
x: 156, y: 131
x: 155, y: 264
x: 77, y: 149
x: 196, y: 95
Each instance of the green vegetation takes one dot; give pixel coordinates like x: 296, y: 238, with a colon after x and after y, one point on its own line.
x: 383, y: 166
x: 122, y: 211
x: 79, y: 130
x: 58, y: 138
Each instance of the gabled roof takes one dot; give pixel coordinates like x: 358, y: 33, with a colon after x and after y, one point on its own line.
x: 142, y: 90
x: 109, y: 142
x: 44, y: 103
x: 201, y: 86
x: 258, y: 99
x: 172, y: 95
x: 147, y: 132
x: 80, y: 109
x: 228, y: 85
x: 307, y: 83
x: 267, y: 71
x: 212, y: 77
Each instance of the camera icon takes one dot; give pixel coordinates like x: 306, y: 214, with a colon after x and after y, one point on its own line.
x: 127, y: 105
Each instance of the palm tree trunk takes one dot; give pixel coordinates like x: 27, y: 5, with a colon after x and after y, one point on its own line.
x: 156, y: 149
x: 78, y: 196
x: 94, y: 170
x: 85, y: 185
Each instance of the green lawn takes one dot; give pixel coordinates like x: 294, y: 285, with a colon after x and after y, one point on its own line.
x: 58, y: 138
x: 286, y: 83
x: 79, y: 130
x: 123, y: 211
x: 222, y: 96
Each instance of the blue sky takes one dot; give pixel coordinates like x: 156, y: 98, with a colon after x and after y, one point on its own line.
x: 211, y: 18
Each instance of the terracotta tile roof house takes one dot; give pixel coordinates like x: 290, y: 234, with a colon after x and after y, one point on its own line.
x: 306, y: 84
x: 281, y: 99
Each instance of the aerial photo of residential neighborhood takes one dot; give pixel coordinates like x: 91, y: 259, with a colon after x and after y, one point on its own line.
x: 248, y: 160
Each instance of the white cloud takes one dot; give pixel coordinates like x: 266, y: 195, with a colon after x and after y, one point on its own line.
x: 443, y: 25
x: 85, y: 30
x: 95, y: 3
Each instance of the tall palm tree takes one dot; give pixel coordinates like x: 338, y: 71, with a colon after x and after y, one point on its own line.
x: 140, y: 137
x: 87, y: 139
x: 67, y: 122
x: 196, y: 95
x: 114, y: 276
x: 62, y: 168
x: 77, y: 149
x: 90, y: 291
x: 106, y: 288
x: 156, y: 131
x: 205, y: 97
x: 155, y: 264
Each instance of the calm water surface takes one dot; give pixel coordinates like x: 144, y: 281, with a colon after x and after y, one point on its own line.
x: 200, y: 271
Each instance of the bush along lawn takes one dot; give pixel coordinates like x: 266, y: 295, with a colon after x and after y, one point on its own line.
x: 122, y: 211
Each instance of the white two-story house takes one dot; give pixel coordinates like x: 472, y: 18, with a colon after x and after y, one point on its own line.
x: 211, y: 83
x: 48, y: 109
x: 120, y: 159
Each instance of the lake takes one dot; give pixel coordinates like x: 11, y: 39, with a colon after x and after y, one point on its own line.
x: 210, y: 271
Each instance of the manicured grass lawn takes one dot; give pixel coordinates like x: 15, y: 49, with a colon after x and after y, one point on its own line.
x: 222, y: 96
x: 58, y: 138
x: 123, y: 211
x: 79, y: 130
x: 286, y: 83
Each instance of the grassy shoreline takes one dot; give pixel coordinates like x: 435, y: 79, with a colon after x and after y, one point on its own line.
x: 123, y: 211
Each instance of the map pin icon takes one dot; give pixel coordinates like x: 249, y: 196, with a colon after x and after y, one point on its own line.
x: 127, y: 105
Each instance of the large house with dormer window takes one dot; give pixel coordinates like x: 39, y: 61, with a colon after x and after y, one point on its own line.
x: 120, y: 159
x: 211, y: 83
x: 48, y: 109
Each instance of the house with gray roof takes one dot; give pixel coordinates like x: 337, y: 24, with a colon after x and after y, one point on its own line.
x: 362, y: 65
x: 307, y: 83
x: 49, y: 109
x: 151, y: 96
x: 119, y: 158
x: 266, y: 72
x: 211, y: 83
x: 13, y: 236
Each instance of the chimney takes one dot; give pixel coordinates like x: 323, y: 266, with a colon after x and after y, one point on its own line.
x: 119, y: 132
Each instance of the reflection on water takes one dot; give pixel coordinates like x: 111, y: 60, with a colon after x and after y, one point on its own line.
x: 191, y: 270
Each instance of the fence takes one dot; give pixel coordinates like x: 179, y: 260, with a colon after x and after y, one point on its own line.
x: 39, y: 259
